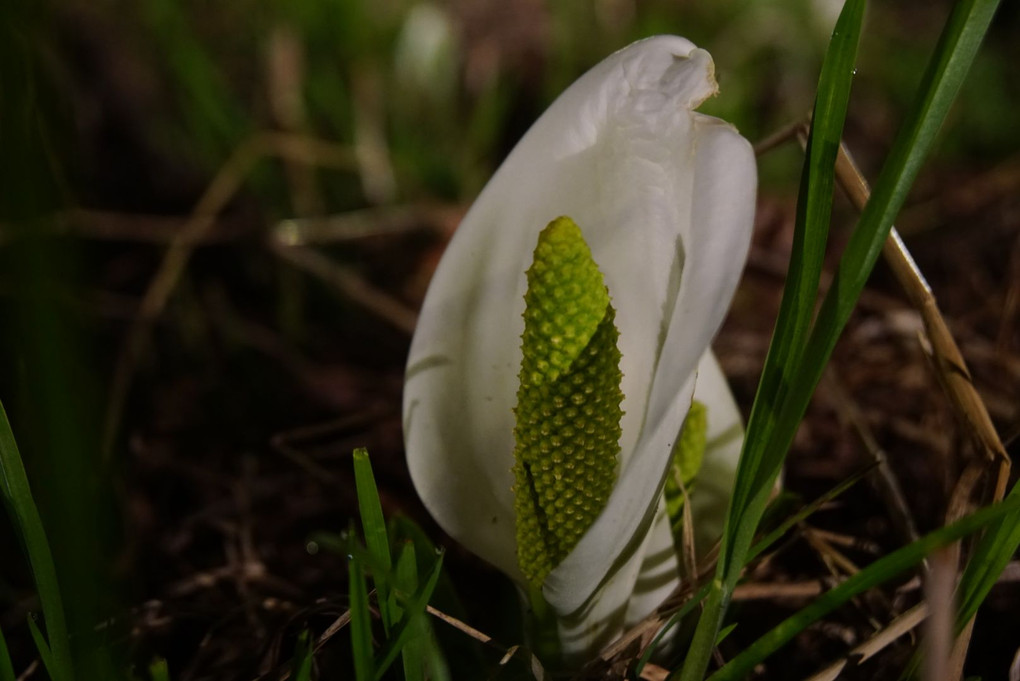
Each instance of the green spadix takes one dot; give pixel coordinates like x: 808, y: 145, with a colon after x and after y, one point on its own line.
x: 568, y: 411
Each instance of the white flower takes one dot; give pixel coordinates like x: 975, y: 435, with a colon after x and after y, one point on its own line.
x: 665, y: 200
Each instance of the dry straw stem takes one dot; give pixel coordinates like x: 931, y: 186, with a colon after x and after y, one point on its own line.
x: 950, y: 366
x: 841, y: 567
x: 284, y: 82
x: 349, y: 284
x: 374, y: 221
x: 536, y: 665
x: 897, y: 628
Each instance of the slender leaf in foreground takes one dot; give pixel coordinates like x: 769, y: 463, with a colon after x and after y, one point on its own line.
x: 17, y: 496
x: 941, y: 81
x: 759, y: 464
x: 413, y: 653
x: 784, y: 527
x: 953, y: 55
x: 376, y: 538
x: 814, y: 209
x: 986, y: 564
x: 414, y: 609
x: 6, y: 668
x: 361, y: 620
x: 40, y: 643
x: 301, y: 667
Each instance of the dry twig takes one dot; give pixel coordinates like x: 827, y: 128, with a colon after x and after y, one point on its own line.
x: 220, y: 191
x: 951, y: 368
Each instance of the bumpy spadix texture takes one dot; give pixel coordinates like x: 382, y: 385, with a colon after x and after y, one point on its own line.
x: 567, y: 435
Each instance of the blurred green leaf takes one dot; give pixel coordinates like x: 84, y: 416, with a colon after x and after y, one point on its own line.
x: 6, y: 668
x: 159, y: 670
x: 51, y: 665
x: 17, y: 497
x: 304, y: 654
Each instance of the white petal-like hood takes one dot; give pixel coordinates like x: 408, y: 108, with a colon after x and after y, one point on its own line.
x: 665, y: 200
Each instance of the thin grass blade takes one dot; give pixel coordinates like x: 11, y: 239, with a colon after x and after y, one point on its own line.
x: 955, y: 52
x: 413, y: 609
x: 759, y: 465
x: 421, y: 655
x: 413, y: 653
x: 814, y: 208
x: 6, y: 667
x: 989, y: 559
x: 376, y: 538
x: 784, y: 527
x: 942, y: 79
x: 361, y: 620
x: 17, y: 497
x: 301, y: 667
x: 673, y: 621
x: 880, y: 571
x: 45, y: 654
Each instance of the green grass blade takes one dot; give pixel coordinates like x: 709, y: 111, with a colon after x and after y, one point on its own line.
x: 784, y: 527
x: 941, y: 81
x: 435, y: 661
x: 414, y: 609
x: 426, y: 659
x: 6, y: 668
x: 953, y: 56
x: 413, y: 653
x: 724, y: 632
x: 993, y: 551
x: 814, y: 208
x: 45, y: 654
x: 760, y: 465
x: 301, y: 667
x: 443, y: 658
x: 878, y: 572
x: 376, y: 538
x: 361, y: 621
x: 431, y: 656
x: 17, y: 497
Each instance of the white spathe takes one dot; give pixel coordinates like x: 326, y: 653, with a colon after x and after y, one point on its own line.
x: 665, y: 199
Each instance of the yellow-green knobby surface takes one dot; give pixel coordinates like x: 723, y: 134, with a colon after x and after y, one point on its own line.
x: 568, y: 411
x: 687, y: 458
